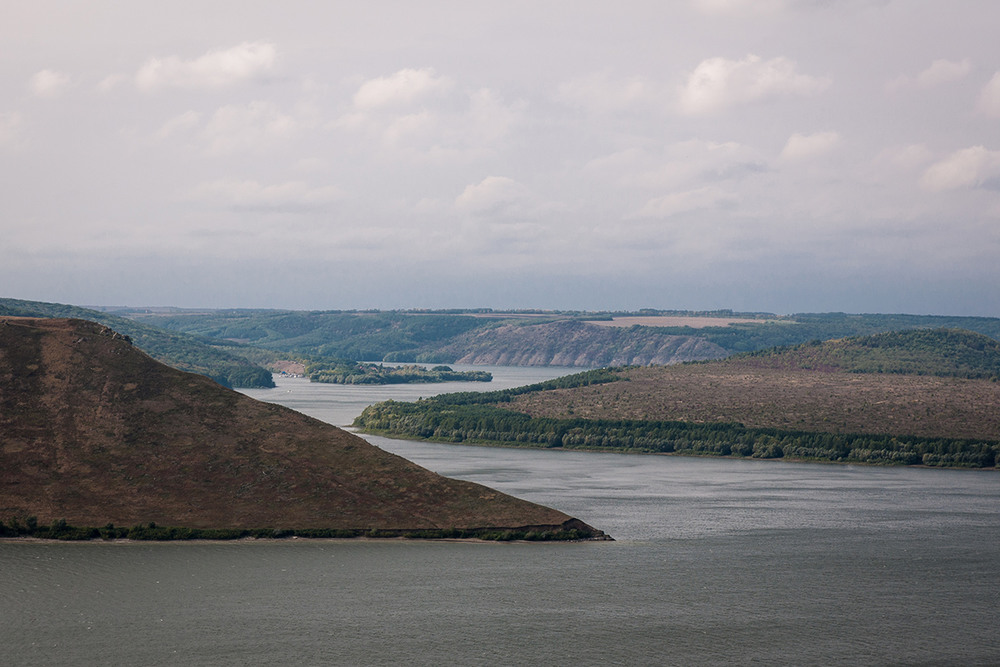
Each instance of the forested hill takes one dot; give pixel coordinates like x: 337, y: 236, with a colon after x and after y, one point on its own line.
x: 182, y: 351
x: 915, y: 397
x: 533, y: 338
x: 940, y: 352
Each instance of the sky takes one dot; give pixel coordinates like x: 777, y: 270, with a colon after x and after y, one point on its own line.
x: 759, y: 155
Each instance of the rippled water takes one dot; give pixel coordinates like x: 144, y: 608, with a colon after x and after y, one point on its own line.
x: 716, y: 562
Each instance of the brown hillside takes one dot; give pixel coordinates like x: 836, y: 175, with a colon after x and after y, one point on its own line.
x: 94, y: 431
x: 752, y: 393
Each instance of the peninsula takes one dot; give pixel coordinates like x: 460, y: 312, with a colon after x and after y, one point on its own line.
x: 100, y: 440
x: 918, y: 397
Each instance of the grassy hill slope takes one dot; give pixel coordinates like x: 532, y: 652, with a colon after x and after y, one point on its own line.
x: 96, y: 432
x: 179, y: 350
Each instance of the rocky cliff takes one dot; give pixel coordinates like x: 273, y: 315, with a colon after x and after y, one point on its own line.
x: 572, y: 343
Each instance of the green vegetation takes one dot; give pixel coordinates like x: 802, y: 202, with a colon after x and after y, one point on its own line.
x: 350, y: 372
x: 431, y: 419
x: 60, y: 530
x: 444, y: 336
x: 584, y: 379
x: 807, y: 327
x: 384, y: 336
x: 182, y: 351
x: 939, y: 352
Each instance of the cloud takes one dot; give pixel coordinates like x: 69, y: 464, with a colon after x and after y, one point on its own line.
x: 602, y: 93
x: 684, y: 165
x: 718, y: 83
x: 494, y: 196
x: 489, y: 118
x: 111, y: 82
x: 939, y: 72
x: 215, y: 69
x: 255, y: 127
x: 805, y: 146
x: 989, y: 98
x: 178, y: 125
x: 250, y: 195
x: 972, y: 167
x: 691, y: 200
x: 740, y: 7
x: 904, y: 158
x: 402, y: 88
x: 49, y: 83
x: 449, y: 125
x: 10, y: 128
x: 943, y: 71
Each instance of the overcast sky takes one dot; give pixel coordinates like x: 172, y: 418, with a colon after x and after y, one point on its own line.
x: 766, y: 155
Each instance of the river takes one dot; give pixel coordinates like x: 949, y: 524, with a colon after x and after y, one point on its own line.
x: 715, y: 562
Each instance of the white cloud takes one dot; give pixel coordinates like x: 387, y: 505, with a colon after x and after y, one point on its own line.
x: 250, y: 195
x: 215, y: 69
x: 939, y: 72
x: 448, y: 126
x: 602, y: 93
x: 740, y: 7
x: 408, y: 127
x: 968, y: 168
x: 943, y: 71
x: 49, y: 83
x: 904, y: 158
x: 805, y: 146
x: 10, y: 128
x: 256, y: 126
x: 185, y: 122
x: 683, y: 165
x: 111, y: 82
x: 494, y: 196
x: 719, y: 83
x: 689, y: 200
x: 489, y: 118
x: 989, y: 97
x: 402, y: 88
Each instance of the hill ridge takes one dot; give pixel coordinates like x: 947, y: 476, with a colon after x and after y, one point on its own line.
x: 94, y: 431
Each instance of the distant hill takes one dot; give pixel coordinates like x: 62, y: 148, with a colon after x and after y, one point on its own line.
x: 914, y: 397
x: 940, y: 352
x: 534, y: 338
x: 179, y: 350
x: 573, y: 343
x: 96, y: 434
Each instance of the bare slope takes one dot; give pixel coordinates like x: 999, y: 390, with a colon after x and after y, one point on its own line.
x: 94, y: 431
x: 570, y: 343
x: 937, y: 383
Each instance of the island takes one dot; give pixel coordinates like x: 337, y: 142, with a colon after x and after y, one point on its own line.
x: 356, y: 372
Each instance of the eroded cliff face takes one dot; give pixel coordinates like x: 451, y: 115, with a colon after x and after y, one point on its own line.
x: 576, y: 344
x: 93, y: 431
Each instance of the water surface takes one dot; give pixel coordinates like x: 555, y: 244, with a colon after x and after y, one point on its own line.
x: 716, y: 562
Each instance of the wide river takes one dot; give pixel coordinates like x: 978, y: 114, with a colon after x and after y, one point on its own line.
x: 715, y: 562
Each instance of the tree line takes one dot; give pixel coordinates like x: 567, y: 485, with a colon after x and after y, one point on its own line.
x: 450, y: 421
x: 60, y: 530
